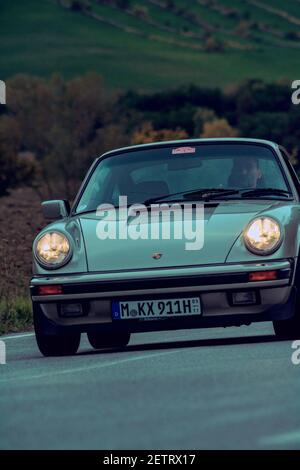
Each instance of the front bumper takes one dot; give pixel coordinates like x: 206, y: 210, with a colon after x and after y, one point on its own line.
x: 214, y: 284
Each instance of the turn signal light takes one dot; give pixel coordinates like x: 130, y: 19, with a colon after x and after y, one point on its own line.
x: 263, y: 276
x: 50, y: 290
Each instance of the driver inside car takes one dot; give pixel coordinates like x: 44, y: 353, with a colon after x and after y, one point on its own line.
x: 245, y: 173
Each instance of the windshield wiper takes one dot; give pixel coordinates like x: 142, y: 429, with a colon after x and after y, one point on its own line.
x: 266, y: 191
x: 204, y: 194
x: 90, y: 211
x: 207, y: 194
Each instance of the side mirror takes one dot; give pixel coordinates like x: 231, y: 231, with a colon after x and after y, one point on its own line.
x: 57, y: 209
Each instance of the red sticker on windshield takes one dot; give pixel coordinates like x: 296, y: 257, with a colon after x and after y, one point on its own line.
x: 183, y: 150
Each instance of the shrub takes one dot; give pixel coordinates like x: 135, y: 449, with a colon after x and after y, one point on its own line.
x: 147, y: 134
x: 140, y: 11
x: 218, y: 128
x: 15, y: 315
x: 212, y: 44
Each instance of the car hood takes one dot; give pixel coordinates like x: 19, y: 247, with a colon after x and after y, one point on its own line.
x: 223, y: 223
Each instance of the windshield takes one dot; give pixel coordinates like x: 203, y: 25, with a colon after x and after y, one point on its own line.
x: 150, y: 173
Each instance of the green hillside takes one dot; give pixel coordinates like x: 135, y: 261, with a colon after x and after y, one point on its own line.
x: 152, y: 44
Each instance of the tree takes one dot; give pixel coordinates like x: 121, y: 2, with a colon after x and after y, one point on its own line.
x: 61, y: 123
x: 76, y: 5
x: 15, y: 168
x: 123, y: 4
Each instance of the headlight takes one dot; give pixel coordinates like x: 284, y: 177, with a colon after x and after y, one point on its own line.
x: 263, y: 236
x: 52, y: 249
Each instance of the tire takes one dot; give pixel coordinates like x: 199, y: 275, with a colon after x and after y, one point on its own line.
x: 53, y: 344
x: 287, y: 329
x: 57, y: 345
x: 101, y: 340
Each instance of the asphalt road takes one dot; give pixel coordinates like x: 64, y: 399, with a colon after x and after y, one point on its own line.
x: 201, y: 389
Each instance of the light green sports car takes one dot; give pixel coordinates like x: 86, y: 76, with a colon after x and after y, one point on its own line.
x: 170, y: 235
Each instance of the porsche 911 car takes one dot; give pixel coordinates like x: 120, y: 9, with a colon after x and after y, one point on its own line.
x: 112, y: 264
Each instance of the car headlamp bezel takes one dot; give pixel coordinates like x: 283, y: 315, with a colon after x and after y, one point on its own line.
x: 42, y: 262
x: 263, y: 252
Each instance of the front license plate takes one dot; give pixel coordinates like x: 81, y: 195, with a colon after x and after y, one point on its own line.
x: 162, y: 308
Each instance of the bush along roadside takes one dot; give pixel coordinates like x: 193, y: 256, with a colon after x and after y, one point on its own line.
x: 15, y: 315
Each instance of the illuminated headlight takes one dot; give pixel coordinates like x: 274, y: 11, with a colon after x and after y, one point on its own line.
x: 263, y: 236
x: 52, y: 249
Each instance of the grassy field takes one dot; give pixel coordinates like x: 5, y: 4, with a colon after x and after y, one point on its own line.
x: 159, y: 50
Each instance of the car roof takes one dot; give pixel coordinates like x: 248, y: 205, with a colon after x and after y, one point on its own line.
x: 240, y: 140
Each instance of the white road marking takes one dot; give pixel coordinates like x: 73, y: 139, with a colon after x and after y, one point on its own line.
x: 25, y: 335
x: 292, y: 437
x: 88, y: 368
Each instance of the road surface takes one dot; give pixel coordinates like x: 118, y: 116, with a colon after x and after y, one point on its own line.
x: 233, y: 388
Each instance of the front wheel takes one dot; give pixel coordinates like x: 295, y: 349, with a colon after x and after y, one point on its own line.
x: 101, y: 340
x: 57, y: 345
x: 287, y: 329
